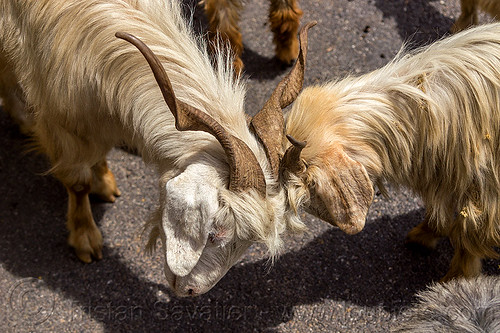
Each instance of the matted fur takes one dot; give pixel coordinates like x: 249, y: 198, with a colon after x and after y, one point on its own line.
x: 459, y: 306
x: 87, y: 91
x: 429, y: 121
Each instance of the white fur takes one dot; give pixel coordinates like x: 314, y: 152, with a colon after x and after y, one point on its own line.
x: 192, y: 201
x: 87, y: 91
x: 465, y: 306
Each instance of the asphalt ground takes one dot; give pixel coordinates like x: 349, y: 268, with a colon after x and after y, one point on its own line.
x: 326, y: 281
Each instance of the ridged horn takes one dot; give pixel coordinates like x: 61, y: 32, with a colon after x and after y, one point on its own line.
x: 269, y: 124
x: 245, y: 171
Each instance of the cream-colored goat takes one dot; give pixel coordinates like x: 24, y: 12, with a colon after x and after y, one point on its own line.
x: 429, y: 121
x: 80, y: 90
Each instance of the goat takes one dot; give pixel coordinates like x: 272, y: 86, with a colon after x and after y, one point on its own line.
x: 84, y: 91
x: 468, y: 15
x: 284, y: 19
x: 461, y: 305
x: 429, y: 121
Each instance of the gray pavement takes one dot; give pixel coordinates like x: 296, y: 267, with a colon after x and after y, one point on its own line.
x: 326, y: 281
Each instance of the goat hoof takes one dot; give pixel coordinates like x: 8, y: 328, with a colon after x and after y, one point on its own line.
x: 87, y: 244
x: 104, y: 185
x: 422, y: 238
x: 108, y: 195
x: 84, y: 256
x: 108, y: 198
x: 287, y: 54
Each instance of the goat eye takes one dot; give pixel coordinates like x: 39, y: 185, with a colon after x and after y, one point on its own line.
x: 217, y: 236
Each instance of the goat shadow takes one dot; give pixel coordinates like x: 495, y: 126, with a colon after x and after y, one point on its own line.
x: 418, y: 21
x: 371, y: 269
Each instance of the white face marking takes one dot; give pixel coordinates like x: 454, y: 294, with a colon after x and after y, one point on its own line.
x: 191, y: 202
x: 194, y: 264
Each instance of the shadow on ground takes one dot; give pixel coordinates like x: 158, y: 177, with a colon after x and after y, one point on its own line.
x: 418, y: 21
x: 372, y: 268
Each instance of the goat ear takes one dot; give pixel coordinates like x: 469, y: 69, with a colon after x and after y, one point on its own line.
x: 183, y: 253
x: 344, y: 192
x: 187, y: 220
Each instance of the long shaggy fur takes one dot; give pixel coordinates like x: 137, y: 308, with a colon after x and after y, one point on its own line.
x: 459, y: 306
x: 86, y: 91
x: 429, y: 121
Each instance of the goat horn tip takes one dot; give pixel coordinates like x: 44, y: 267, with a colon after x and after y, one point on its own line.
x: 120, y: 34
x: 295, y: 142
x: 309, y: 24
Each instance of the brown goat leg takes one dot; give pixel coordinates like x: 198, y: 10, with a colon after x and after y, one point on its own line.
x: 463, y: 264
x: 468, y: 16
x: 223, y: 17
x: 284, y: 18
x: 84, y: 236
x: 103, y: 182
x: 423, y: 235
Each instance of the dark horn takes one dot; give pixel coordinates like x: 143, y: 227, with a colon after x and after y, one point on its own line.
x: 291, y: 160
x: 245, y: 171
x: 269, y: 124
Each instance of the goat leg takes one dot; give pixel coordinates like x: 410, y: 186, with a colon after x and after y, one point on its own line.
x: 468, y: 16
x: 103, y: 182
x: 84, y: 236
x: 284, y: 18
x: 423, y: 236
x: 223, y: 17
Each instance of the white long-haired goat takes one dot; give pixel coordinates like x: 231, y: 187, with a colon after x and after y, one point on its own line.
x: 83, y: 91
x: 429, y: 121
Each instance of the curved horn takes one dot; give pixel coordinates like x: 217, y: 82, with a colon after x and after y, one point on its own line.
x: 291, y: 161
x: 269, y: 124
x: 245, y: 171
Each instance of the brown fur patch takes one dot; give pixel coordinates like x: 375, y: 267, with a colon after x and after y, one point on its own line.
x: 284, y: 19
x: 223, y: 17
x: 468, y: 15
